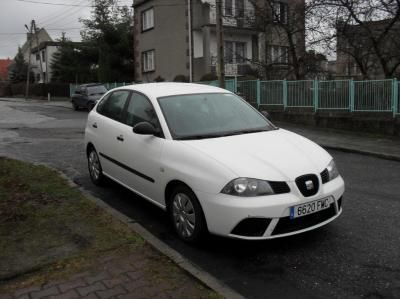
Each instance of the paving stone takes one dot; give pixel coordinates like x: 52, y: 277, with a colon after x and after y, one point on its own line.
x: 45, y: 293
x: 5, y: 296
x: 26, y: 291
x: 135, y: 284
x: 90, y: 296
x: 110, y: 283
x: 97, y: 277
x: 98, y: 286
x: 25, y: 296
x: 71, y: 294
x: 72, y: 285
x: 134, y: 275
x: 117, y: 269
x: 118, y: 290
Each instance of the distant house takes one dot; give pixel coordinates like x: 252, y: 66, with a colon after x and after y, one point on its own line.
x: 180, y: 38
x: 4, y: 65
x: 356, y: 54
x: 44, y: 53
x: 39, y: 44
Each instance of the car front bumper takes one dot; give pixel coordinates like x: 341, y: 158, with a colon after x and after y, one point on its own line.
x: 268, y: 217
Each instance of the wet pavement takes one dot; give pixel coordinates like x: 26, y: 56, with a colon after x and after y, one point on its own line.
x: 358, y: 255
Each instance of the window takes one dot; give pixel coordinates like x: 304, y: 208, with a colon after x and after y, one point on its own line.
x: 140, y: 109
x: 43, y: 56
x: 240, y: 52
x: 233, y: 8
x: 279, y: 55
x: 228, y: 9
x: 229, y: 52
x: 148, y: 61
x: 235, y: 52
x: 148, y: 19
x: 280, y: 12
x: 113, y: 105
x: 37, y: 56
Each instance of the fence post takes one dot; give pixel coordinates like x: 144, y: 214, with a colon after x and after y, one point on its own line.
x: 351, y: 95
x: 316, y: 95
x: 235, y: 85
x: 395, y: 96
x: 258, y: 93
x: 285, y: 94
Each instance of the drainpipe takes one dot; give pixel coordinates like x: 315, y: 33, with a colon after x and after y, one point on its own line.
x: 190, y: 41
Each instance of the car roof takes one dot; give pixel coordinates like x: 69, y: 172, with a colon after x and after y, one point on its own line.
x: 171, y: 88
x: 91, y: 84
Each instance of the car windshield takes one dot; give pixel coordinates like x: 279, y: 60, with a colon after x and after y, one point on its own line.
x: 211, y: 115
x: 98, y: 89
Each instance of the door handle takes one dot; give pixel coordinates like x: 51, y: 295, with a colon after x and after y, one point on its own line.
x: 120, y: 138
x: 94, y: 125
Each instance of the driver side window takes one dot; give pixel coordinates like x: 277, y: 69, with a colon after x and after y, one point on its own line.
x: 139, y: 110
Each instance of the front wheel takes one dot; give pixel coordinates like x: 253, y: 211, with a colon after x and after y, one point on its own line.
x: 187, y: 215
x: 91, y: 106
x: 95, y: 170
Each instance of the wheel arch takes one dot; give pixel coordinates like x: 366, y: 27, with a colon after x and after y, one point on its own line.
x: 89, y: 146
x: 170, y: 188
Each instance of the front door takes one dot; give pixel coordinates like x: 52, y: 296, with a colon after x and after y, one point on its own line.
x: 142, y: 153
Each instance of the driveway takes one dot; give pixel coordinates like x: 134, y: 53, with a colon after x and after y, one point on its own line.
x: 358, y: 255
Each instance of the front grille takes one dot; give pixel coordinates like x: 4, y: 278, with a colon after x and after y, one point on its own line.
x: 287, y: 225
x: 279, y: 187
x: 325, y: 176
x: 251, y: 227
x: 308, y: 184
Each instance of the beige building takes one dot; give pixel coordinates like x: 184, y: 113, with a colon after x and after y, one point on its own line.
x: 170, y: 41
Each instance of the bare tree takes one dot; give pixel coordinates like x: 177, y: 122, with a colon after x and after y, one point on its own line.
x: 367, y: 32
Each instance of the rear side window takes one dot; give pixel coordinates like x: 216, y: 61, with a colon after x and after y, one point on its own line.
x: 113, y: 105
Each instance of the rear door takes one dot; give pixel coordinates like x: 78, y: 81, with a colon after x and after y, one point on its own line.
x: 109, y: 131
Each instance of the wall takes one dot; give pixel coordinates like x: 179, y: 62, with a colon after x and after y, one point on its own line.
x: 168, y: 38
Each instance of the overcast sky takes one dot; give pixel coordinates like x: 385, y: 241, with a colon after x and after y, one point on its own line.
x: 55, y: 19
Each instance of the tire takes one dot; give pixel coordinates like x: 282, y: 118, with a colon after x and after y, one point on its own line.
x: 75, y: 106
x: 94, y: 166
x: 187, y: 215
x: 90, y: 106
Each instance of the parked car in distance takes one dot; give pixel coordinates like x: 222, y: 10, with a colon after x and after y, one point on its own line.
x: 86, y: 95
x: 212, y: 161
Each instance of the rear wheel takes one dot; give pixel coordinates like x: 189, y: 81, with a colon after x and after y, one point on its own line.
x: 75, y: 106
x: 187, y: 215
x: 95, y: 170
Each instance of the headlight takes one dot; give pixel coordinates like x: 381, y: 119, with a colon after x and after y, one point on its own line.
x: 333, y: 172
x: 247, y: 187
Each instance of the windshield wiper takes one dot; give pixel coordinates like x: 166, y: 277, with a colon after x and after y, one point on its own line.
x: 200, y: 136
x: 245, y: 132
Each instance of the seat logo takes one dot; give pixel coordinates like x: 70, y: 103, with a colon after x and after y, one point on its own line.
x: 309, y: 185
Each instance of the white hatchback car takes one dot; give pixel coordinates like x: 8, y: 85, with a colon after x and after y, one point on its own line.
x: 212, y: 161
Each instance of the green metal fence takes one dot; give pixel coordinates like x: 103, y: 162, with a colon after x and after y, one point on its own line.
x: 353, y: 96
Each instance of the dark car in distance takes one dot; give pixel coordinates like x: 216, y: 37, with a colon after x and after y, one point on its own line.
x: 86, y: 95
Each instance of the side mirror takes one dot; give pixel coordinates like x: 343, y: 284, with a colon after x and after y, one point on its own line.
x: 144, y: 128
x: 266, y: 114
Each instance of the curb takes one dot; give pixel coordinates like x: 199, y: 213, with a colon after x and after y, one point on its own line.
x: 182, y: 262
x: 361, y: 152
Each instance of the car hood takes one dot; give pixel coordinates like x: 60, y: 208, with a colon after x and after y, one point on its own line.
x: 277, y: 155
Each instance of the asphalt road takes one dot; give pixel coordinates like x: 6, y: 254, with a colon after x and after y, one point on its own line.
x: 358, y: 255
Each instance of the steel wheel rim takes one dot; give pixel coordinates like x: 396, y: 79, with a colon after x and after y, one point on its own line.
x: 184, y: 215
x: 94, y: 165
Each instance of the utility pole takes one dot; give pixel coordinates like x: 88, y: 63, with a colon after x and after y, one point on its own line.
x: 29, y: 60
x: 37, y: 47
x: 220, y: 45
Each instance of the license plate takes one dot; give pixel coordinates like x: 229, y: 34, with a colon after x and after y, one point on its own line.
x: 310, y: 207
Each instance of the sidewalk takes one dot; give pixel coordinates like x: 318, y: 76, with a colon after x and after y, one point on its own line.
x: 357, y: 142
x: 58, y: 103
